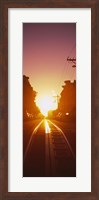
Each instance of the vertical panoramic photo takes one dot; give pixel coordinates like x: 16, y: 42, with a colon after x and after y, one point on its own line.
x: 49, y: 99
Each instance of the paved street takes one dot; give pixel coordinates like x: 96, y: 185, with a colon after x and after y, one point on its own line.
x: 48, y: 149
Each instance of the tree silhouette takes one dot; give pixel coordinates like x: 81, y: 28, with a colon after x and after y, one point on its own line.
x: 29, y: 95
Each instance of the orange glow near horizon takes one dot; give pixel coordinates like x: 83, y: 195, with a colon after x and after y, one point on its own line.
x: 46, y: 47
x: 45, y: 104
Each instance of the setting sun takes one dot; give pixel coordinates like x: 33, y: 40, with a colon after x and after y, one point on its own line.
x: 49, y: 99
x: 46, y: 103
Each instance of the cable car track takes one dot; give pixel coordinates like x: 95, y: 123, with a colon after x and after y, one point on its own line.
x: 60, y: 158
x: 49, y: 153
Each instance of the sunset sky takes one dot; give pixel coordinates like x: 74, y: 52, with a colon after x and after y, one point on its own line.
x: 45, y: 47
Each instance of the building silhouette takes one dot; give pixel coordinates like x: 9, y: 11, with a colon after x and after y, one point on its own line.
x: 67, y: 103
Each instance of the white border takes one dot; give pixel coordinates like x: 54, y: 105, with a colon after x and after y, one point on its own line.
x: 82, y: 183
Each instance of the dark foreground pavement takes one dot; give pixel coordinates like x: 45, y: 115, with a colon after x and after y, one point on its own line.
x: 46, y: 151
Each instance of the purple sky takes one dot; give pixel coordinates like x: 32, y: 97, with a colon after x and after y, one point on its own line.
x: 45, y: 46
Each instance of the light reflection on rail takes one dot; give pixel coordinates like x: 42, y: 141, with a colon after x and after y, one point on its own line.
x: 35, y: 130
x: 47, y: 128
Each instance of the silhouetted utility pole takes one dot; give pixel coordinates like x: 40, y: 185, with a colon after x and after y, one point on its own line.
x: 73, y: 60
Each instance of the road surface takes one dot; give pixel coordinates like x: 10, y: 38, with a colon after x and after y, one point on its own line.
x: 47, y: 151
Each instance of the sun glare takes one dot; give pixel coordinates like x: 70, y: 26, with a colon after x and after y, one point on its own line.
x: 46, y: 103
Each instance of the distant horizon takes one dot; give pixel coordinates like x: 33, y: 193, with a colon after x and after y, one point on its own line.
x: 72, y: 81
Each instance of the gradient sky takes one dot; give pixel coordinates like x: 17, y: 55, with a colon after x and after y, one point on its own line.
x: 45, y: 47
